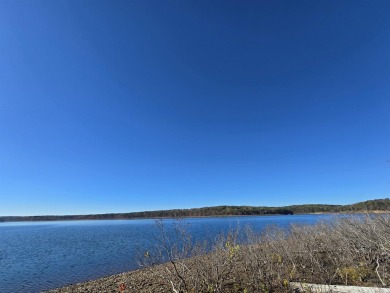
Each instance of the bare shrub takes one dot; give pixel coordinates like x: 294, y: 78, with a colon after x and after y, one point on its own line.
x: 349, y: 250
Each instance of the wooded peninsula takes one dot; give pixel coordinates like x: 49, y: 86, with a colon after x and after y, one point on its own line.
x: 379, y: 205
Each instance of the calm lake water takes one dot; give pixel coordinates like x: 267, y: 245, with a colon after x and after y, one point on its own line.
x: 36, y: 256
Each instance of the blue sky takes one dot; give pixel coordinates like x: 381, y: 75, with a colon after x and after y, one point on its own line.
x: 116, y: 106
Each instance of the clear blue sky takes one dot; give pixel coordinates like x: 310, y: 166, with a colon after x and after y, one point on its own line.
x: 116, y: 106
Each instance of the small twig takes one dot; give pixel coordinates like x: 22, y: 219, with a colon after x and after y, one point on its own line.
x: 376, y: 270
x: 173, y: 288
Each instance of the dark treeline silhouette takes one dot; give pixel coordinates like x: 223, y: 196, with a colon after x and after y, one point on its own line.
x: 370, y: 205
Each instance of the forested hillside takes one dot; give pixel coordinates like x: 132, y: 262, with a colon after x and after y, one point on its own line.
x: 370, y: 205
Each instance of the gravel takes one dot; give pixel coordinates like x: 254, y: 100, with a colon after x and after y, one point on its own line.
x: 143, y: 281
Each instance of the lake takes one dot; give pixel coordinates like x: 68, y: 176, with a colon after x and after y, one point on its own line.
x: 36, y: 256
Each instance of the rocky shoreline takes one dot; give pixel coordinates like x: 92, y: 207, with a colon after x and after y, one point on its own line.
x: 143, y: 281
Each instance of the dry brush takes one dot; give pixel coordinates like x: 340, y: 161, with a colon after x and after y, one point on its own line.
x: 349, y: 250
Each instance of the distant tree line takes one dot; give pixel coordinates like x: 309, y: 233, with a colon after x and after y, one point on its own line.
x: 370, y: 205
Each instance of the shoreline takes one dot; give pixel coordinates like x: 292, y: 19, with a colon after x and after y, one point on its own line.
x: 143, y: 280
x: 364, y: 207
x: 200, y: 217
x: 163, y: 218
x: 140, y: 280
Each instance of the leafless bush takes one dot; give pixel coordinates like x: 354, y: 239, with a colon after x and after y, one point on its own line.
x: 352, y: 250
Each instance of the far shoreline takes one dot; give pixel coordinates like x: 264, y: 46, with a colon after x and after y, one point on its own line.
x: 157, y: 218
x: 199, y: 217
x: 369, y: 206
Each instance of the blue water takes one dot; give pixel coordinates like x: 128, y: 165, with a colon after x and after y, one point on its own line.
x: 36, y: 256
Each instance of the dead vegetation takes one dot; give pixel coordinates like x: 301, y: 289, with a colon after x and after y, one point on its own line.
x: 350, y: 250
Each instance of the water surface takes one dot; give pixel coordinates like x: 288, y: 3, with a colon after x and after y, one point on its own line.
x: 36, y: 256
